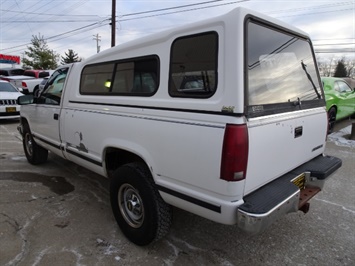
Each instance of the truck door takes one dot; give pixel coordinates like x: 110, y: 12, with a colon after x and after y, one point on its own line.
x: 45, y: 120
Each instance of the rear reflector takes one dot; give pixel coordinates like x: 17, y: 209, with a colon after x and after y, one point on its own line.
x: 234, y: 153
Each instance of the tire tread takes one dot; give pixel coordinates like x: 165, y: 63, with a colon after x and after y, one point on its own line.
x: 161, y: 214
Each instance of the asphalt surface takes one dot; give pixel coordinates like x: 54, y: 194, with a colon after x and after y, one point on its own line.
x: 59, y: 214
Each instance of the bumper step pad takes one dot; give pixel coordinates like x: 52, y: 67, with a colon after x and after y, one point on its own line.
x: 271, y: 195
x: 320, y: 167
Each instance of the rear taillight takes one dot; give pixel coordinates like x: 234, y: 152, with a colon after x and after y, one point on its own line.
x: 235, y: 153
x: 23, y: 84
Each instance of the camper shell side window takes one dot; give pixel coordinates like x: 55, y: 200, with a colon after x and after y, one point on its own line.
x: 130, y: 77
x: 193, y: 66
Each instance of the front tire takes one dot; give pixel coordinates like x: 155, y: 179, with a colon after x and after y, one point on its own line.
x: 139, y: 210
x: 35, y: 154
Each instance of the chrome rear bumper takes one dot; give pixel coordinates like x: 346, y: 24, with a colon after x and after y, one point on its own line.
x: 264, y: 206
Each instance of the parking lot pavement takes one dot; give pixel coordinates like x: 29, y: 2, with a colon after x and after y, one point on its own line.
x: 59, y: 214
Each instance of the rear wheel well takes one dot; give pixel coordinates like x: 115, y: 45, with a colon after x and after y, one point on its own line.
x: 115, y: 158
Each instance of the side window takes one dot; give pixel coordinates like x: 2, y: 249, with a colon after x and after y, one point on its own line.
x: 96, y: 79
x: 193, y: 66
x: 342, y: 87
x: 54, y: 87
x: 133, y: 77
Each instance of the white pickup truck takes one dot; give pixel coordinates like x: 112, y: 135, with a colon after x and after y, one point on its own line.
x: 29, y: 81
x: 224, y: 118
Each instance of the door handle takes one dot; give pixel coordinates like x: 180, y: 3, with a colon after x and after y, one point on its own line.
x: 56, y: 116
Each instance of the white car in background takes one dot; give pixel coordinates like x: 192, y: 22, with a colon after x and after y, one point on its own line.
x: 9, y: 109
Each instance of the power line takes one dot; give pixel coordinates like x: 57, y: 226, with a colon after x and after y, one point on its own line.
x: 173, y: 10
x: 126, y: 15
x: 315, y: 13
x: 46, y: 14
x: 49, y: 21
x: 224, y: 4
x: 310, y: 7
x: 332, y: 39
x: 62, y: 34
x: 150, y: 11
x: 333, y: 44
x: 335, y: 51
x: 180, y: 11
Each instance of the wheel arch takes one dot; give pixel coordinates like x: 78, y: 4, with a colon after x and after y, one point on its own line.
x: 333, y: 106
x: 23, y: 120
x: 23, y: 123
x: 35, y: 90
x: 115, y: 157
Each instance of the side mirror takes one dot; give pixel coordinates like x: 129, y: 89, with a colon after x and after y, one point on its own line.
x: 25, y: 99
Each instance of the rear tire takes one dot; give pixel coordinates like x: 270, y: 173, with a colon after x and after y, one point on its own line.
x: 35, y: 154
x: 139, y: 210
x: 332, y: 113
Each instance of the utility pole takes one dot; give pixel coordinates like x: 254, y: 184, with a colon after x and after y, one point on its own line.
x: 97, y: 39
x: 113, y: 24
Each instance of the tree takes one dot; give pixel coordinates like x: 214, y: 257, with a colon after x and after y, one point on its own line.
x: 325, y: 66
x: 350, y: 68
x: 39, y: 56
x: 340, y: 69
x: 70, y: 57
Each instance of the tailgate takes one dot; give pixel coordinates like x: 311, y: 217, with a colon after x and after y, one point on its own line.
x: 280, y: 143
x: 285, y: 107
x: 17, y: 83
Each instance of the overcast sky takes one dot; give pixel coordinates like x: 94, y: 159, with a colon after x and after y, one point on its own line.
x: 73, y: 24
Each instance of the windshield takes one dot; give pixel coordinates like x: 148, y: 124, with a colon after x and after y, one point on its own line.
x: 281, y: 68
x: 7, y: 87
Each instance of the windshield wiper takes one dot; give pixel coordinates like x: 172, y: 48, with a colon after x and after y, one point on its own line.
x: 304, y: 66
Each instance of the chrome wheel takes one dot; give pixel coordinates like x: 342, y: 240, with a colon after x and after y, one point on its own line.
x: 29, y: 144
x: 130, y: 205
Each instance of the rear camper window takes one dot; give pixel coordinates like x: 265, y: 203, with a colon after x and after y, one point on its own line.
x: 193, y: 66
x: 134, y: 77
x: 281, y: 72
